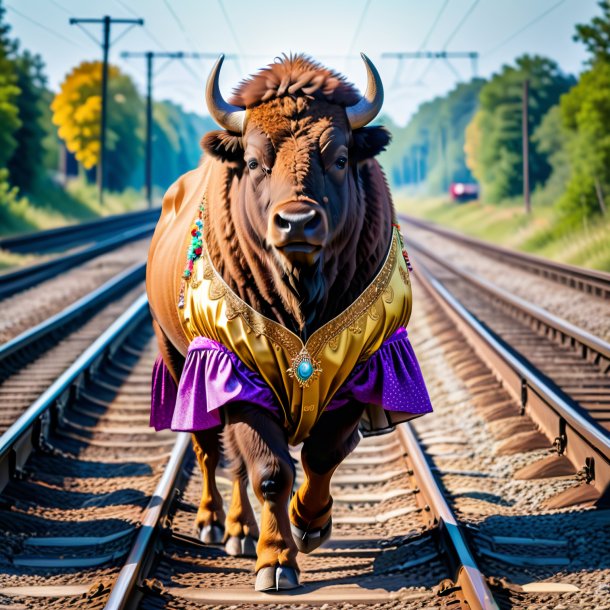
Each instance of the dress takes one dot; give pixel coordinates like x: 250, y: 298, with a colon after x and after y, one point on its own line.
x: 236, y: 354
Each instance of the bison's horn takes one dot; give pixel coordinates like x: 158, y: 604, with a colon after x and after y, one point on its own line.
x: 370, y: 103
x: 226, y: 115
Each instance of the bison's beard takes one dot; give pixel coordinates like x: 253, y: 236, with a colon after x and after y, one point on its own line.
x: 308, y: 285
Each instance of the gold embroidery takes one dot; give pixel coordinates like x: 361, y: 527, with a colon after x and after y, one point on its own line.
x: 388, y: 294
x: 334, y: 343
x: 404, y: 274
x: 374, y: 311
x: 357, y: 326
x: 344, y: 320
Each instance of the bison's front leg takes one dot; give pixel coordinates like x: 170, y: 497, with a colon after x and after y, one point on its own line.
x: 241, y: 529
x: 210, y: 515
x: 262, y: 445
x: 334, y: 437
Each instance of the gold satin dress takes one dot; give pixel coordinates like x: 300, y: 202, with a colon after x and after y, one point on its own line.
x: 303, y: 376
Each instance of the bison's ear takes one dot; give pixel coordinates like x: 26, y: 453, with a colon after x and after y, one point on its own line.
x: 223, y: 146
x: 370, y: 141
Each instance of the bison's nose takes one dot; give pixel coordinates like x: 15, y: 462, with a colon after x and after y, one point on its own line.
x: 297, y: 224
x: 291, y: 227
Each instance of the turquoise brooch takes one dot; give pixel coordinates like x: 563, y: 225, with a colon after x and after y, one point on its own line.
x: 304, y: 368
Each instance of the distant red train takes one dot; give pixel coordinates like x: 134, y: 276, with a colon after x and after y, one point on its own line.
x: 464, y: 191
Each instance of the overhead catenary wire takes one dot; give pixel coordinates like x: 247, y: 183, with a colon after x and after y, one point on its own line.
x: 522, y: 29
x: 180, y: 25
x: 43, y: 27
x: 424, y: 42
x: 145, y: 29
x: 233, y: 33
x: 61, y: 7
x: 451, y: 36
x: 365, y: 10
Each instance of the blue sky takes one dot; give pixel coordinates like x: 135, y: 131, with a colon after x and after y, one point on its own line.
x: 331, y: 31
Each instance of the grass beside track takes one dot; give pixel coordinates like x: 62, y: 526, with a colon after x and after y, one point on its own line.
x: 585, y: 243
x: 51, y: 206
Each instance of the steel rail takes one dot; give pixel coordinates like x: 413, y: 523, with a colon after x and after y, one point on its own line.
x: 62, y: 238
x: 587, y: 280
x: 125, y: 590
x: 589, y: 343
x: 14, y: 348
x: 467, y: 575
x: 586, y: 445
x: 18, y: 441
x: 20, y: 279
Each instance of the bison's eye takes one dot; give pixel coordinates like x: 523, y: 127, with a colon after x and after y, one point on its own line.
x: 252, y: 164
x: 341, y: 162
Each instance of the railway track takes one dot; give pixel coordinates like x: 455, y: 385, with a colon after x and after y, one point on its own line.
x: 394, y: 520
x: 559, y: 372
x: 100, y: 237
x: 31, y: 361
x: 61, y: 239
x: 596, y: 283
x: 97, y: 510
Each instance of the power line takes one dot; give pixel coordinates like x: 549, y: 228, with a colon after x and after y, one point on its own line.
x: 150, y: 57
x: 522, y: 29
x: 458, y: 27
x: 60, y: 7
x: 359, y: 26
x: 451, y: 36
x: 179, y: 24
x: 44, y: 27
x: 433, y: 26
x: 232, y: 30
x: 424, y: 42
x: 145, y: 29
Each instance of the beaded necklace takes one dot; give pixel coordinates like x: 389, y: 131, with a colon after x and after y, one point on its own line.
x: 194, y: 251
x: 402, y: 246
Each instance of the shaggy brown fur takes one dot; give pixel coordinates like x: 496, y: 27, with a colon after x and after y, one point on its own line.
x: 294, y: 105
x: 295, y: 75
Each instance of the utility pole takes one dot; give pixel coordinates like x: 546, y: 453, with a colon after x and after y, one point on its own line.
x: 150, y: 57
x: 106, y: 21
x: 525, y: 145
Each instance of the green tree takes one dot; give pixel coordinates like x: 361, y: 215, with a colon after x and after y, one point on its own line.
x: 499, y: 154
x: 9, y: 91
x: 429, y: 151
x: 596, y: 35
x: 26, y: 163
x: 585, y: 113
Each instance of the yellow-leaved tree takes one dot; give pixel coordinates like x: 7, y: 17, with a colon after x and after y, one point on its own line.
x: 77, y: 113
x: 77, y: 109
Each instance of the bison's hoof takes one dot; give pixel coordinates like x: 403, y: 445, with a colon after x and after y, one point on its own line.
x: 310, y: 540
x: 212, y: 534
x: 241, y: 547
x: 276, y: 578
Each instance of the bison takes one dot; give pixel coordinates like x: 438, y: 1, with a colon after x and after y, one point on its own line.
x: 279, y: 288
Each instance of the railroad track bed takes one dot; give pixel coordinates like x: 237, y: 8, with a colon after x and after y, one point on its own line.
x: 73, y: 515
x: 25, y: 375
x: 32, y: 306
x: 381, y: 555
x: 520, y: 541
x: 69, y: 518
x: 585, y: 380
x: 577, y: 306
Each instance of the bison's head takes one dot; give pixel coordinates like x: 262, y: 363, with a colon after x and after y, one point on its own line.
x: 295, y: 136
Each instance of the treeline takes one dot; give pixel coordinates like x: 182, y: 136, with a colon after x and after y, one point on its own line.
x: 37, y: 126
x: 475, y: 132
